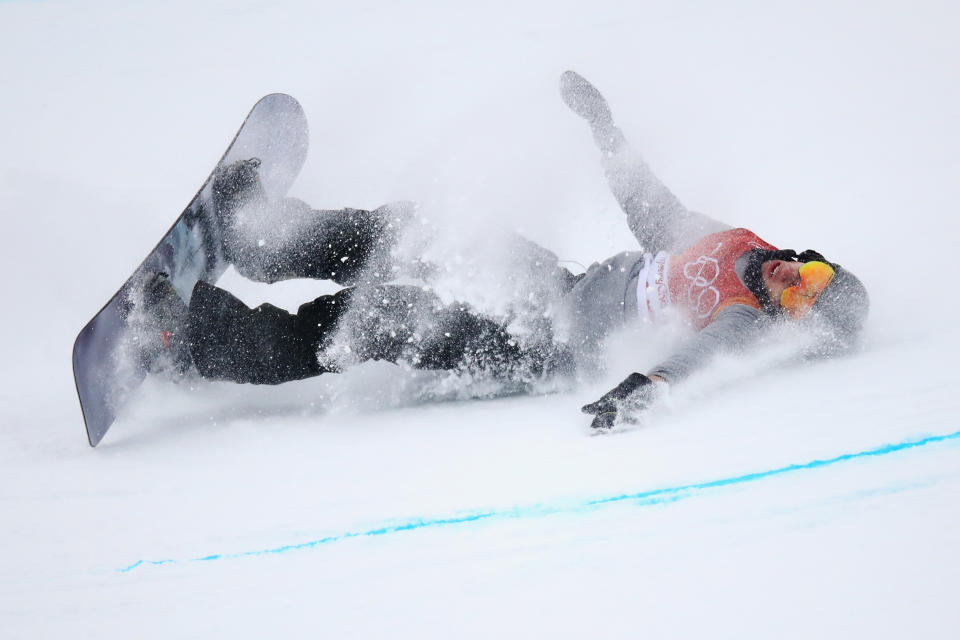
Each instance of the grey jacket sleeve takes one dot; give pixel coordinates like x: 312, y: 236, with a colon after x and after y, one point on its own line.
x: 734, y: 328
x: 655, y: 215
x: 657, y: 218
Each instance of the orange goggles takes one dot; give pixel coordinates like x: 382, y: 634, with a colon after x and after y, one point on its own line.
x: 814, y: 278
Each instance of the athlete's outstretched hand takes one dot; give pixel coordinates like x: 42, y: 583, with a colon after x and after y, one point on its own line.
x: 623, y: 402
x: 587, y: 102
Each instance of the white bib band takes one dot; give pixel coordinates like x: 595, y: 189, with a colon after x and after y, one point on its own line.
x: 653, y: 291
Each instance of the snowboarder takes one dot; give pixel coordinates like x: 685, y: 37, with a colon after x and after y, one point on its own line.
x: 728, y: 284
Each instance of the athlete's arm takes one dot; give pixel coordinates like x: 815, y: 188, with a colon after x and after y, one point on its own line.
x: 657, y: 218
x: 734, y: 328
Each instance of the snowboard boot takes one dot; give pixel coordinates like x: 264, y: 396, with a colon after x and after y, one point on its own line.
x: 165, y: 343
x: 236, y: 186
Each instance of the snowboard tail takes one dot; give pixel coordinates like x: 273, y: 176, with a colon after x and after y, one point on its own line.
x: 108, y: 363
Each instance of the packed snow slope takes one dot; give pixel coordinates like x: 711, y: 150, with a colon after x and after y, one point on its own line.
x: 760, y: 502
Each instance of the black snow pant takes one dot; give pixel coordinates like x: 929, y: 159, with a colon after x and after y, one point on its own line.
x: 270, y: 240
x: 291, y: 240
x: 396, y: 323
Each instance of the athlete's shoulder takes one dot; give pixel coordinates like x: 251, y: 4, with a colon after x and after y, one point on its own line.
x: 746, y: 236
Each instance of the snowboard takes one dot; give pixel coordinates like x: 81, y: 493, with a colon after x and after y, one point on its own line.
x: 108, y: 362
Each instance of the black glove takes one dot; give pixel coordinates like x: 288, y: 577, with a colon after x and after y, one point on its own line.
x: 587, y: 102
x: 622, y: 402
x: 584, y: 99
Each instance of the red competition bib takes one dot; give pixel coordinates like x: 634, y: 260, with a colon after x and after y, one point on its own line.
x: 703, y: 281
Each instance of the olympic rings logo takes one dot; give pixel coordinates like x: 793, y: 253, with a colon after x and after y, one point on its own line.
x: 702, y: 273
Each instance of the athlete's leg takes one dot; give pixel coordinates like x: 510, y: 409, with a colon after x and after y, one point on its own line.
x: 348, y: 246
x: 409, y: 324
x: 270, y: 241
x: 267, y: 345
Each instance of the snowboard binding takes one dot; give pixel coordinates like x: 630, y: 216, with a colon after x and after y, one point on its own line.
x: 165, y: 345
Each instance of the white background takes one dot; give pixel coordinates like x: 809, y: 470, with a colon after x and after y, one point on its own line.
x: 829, y: 125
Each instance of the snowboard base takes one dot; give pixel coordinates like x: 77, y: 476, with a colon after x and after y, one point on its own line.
x: 108, y: 363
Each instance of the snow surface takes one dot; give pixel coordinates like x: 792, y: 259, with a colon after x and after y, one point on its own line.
x: 338, y: 507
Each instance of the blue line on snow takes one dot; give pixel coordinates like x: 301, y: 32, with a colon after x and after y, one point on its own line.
x: 642, y: 498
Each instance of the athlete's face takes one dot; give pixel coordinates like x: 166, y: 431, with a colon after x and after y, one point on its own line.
x: 779, y: 275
